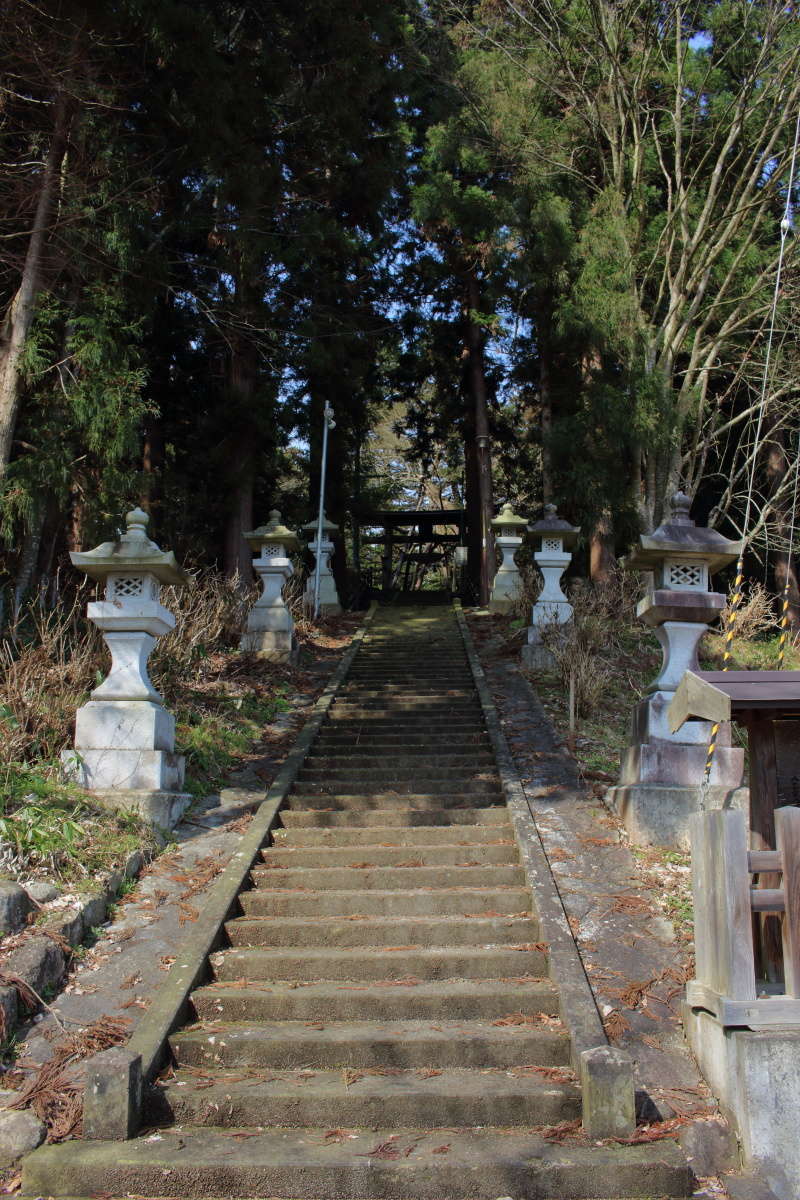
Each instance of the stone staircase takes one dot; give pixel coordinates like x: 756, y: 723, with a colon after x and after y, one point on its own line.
x: 382, y: 1023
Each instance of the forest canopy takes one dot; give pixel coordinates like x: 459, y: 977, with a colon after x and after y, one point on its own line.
x: 532, y: 243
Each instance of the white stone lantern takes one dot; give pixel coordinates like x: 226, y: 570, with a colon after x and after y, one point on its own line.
x: 557, y: 539
x: 508, y: 530
x: 661, y: 771
x: 124, y: 737
x: 329, y: 604
x: 270, y: 629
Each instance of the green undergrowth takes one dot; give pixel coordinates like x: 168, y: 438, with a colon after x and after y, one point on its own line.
x: 51, y: 829
x: 50, y: 660
x: 214, y: 733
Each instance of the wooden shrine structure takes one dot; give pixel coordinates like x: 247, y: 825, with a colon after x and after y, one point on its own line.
x: 747, y: 888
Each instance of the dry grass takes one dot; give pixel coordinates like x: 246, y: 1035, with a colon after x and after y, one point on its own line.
x: 757, y: 614
x: 589, y: 649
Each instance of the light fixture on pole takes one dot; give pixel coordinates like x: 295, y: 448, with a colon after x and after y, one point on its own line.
x: 328, y: 423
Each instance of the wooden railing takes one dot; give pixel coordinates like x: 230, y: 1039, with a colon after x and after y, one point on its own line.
x: 724, y: 903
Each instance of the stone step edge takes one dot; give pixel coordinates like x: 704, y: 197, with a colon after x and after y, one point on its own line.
x: 612, y: 1091
x: 481, y: 1163
x: 113, y: 1073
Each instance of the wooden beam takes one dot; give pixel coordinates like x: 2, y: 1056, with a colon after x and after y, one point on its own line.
x: 787, y: 827
x: 696, y: 697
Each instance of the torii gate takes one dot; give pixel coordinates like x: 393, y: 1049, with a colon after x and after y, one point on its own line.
x: 434, y: 531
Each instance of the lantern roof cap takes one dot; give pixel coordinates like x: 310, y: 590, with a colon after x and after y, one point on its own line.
x: 271, y: 534
x: 679, y: 537
x: 132, y: 552
x: 507, y: 520
x: 327, y: 527
x: 552, y: 525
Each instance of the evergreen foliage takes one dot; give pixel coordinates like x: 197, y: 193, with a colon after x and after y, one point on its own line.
x: 540, y: 238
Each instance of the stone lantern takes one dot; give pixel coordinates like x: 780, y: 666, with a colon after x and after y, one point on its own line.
x: 270, y: 628
x: 557, y: 539
x: 661, y: 771
x: 124, y: 737
x: 508, y: 530
x: 329, y: 604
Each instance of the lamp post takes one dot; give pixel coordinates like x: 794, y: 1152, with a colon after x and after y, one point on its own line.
x: 328, y: 423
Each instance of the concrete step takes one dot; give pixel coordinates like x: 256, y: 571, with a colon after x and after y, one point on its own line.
x: 424, y: 776
x: 415, y: 706
x: 411, y: 688
x: 370, y: 1096
x: 389, y: 1001
x: 377, y: 722
x: 381, y: 931
x: 442, y: 679
x: 433, y: 902
x: 407, y: 1044
x: 367, y: 854
x: 365, y: 963
x: 386, y: 878
x: 398, y: 816
x: 427, y: 743
x: 359, y: 759
x: 430, y: 793
x: 481, y: 1164
x: 489, y: 833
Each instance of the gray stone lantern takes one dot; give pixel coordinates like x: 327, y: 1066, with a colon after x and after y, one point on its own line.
x: 329, y: 604
x: 661, y: 771
x: 124, y: 737
x: 557, y: 540
x: 508, y: 530
x: 270, y: 629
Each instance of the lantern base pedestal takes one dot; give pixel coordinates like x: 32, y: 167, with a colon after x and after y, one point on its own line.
x: 657, y: 814
x: 329, y: 605
x: 660, y: 763
x: 275, y: 645
x: 503, y: 602
x: 105, y: 769
x: 536, y: 657
x: 162, y: 810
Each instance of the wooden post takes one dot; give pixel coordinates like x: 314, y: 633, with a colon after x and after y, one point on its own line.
x: 721, y: 889
x: 787, y: 828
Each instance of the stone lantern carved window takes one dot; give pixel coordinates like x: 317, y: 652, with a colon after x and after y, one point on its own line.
x: 121, y: 587
x: 273, y: 551
x: 685, y: 576
x: 551, y: 545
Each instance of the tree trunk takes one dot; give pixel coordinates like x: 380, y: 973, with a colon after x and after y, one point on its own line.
x: 546, y: 424
x: 29, y: 557
x: 239, y: 519
x: 472, y: 505
x: 240, y: 459
x: 601, y: 549
x: 477, y: 392
x: 19, y: 318
x: 152, y: 468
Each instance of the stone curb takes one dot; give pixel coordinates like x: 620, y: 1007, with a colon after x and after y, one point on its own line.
x: 578, y: 1008
x: 169, y: 1003
x: 40, y: 962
